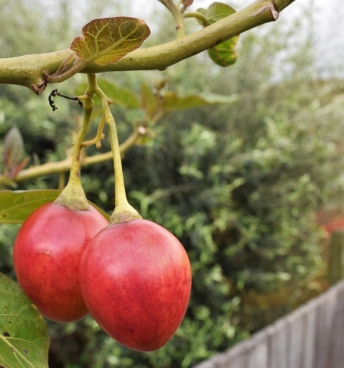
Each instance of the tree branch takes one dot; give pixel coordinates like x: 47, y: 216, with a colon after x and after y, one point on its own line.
x: 51, y: 168
x: 28, y: 70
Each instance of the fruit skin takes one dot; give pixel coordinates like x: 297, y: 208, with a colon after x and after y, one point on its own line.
x: 46, y: 257
x: 135, y: 278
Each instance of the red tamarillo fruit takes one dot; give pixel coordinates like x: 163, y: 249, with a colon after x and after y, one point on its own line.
x: 135, y: 277
x: 46, y: 257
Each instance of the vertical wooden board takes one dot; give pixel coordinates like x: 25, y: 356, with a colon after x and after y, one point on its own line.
x: 309, y: 335
x: 257, y: 355
x: 297, y: 325
x: 236, y: 362
x: 337, y: 347
x: 325, y: 312
x: 234, y: 358
x: 279, y: 345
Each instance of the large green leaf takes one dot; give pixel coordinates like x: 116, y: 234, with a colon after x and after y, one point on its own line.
x: 16, y: 206
x: 107, y: 40
x: 224, y: 53
x: 24, y: 339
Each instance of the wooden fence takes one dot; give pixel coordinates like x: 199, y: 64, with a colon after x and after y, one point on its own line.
x: 310, y: 337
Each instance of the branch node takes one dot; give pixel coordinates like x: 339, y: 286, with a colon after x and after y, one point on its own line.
x: 271, y: 7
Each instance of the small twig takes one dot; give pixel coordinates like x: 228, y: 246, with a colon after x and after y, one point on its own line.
x: 99, y: 136
x: 55, y: 93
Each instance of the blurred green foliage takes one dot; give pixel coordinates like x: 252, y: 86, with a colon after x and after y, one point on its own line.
x: 238, y: 184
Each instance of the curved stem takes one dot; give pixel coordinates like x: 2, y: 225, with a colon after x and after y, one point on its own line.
x: 99, y: 136
x: 198, y: 16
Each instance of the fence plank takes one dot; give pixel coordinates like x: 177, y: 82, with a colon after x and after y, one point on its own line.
x: 337, y: 352
x: 279, y: 345
x: 325, y: 313
x: 296, y: 324
x: 258, y: 354
x: 309, y: 334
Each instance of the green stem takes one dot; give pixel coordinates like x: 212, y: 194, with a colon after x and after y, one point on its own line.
x: 177, y: 15
x: 123, y: 210
x: 198, y: 16
x: 51, y: 168
x: 99, y: 136
x: 73, y: 195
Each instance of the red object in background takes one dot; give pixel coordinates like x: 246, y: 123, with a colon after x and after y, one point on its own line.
x: 337, y: 224
x: 330, y: 221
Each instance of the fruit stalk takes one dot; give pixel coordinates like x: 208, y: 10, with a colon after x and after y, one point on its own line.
x: 73, y: 195
x: 123, y: 210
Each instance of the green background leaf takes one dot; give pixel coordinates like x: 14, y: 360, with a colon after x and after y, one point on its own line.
x: 173, y: 102
x: 107, y: 40
x: 224, y: 53
x: 119, y: 95
x: 149, y: 100
x: 218, y: 11
x: 15, y: 207
x: 24, y: 338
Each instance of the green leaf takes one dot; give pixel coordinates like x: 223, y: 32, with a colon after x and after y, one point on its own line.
x: 120, y: 96
x: 217, y: 11
x: 104, y: 41
x: 24, y: 338
x: 173, y: 102
x: 224, y: 53
x: 107, y: 40
x: 16, y: 206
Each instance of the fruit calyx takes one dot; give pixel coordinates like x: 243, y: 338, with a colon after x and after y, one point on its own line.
x: 124, y: 213
x: 73, y: 197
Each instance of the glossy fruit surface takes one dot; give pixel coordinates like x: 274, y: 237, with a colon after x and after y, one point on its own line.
x: 46, y: 257
x: 135, y: 278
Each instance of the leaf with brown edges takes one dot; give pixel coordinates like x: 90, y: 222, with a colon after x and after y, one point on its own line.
x: 107, y: 40
x: 104, y: 41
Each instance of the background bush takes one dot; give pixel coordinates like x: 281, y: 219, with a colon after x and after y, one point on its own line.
x: 238, y: 184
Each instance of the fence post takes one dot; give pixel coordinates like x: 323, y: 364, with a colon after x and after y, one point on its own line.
x: 336, y: 257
